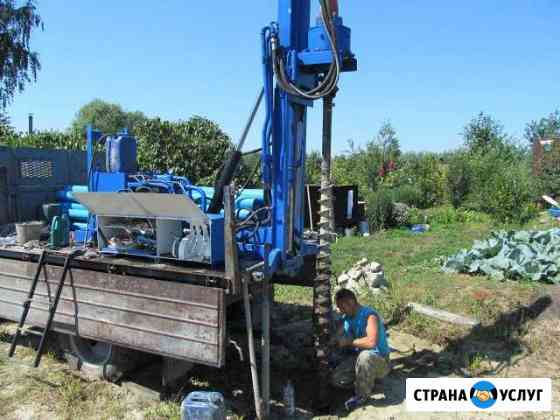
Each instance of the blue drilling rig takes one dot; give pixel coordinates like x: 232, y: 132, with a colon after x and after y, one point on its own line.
x: 213, y: 243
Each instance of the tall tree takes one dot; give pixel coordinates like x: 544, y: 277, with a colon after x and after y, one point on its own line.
x: 388, y: 142
x: 18, y: 63
x: 548, y: 127
x: 108, y: 117
x: 483, y: 132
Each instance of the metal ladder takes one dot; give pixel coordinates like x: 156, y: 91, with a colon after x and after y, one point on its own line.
x: 53, y: 304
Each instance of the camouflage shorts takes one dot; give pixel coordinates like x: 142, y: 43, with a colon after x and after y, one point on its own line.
x: 361, y: 371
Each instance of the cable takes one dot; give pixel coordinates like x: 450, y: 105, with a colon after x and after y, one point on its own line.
x: 330, y: 82
x: 250, y: 177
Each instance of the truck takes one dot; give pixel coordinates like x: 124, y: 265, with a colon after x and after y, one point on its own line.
x: 209, y: 259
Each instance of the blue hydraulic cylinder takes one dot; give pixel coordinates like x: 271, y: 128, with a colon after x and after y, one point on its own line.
x: 287, y: 150
x: 305, y: 54
x: 92, y: 136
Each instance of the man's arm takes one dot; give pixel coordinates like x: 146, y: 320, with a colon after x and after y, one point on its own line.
x: 369, y: 341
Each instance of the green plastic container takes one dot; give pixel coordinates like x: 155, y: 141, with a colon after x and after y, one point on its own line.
x: 60, y: 232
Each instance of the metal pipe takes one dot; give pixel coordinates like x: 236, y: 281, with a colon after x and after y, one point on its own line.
x: 311, y: 226
x: 252, y: 357
x: 30, y: 127
x: 266, y: 346
x: 250, y: 120
x: 232, y: 163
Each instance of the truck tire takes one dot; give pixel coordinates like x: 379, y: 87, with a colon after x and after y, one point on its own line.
x: 96, y: 359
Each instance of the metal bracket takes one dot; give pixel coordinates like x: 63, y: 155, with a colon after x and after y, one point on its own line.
x: 231, y: 257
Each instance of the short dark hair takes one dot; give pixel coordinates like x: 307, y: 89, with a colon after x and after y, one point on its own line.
x: 345, y: 294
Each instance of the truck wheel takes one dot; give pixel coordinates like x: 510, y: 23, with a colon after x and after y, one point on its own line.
x: 97, y: 359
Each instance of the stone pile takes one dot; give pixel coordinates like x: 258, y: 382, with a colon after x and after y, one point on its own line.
x: 364, y: 276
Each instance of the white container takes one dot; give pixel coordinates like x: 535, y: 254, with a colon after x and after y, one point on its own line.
x: 29, y: 231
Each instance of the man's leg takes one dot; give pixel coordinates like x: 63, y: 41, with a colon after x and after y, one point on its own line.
x: 369, y: 367
x: 344, y: 374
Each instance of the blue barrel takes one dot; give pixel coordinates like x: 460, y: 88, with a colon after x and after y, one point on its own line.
x: 78, y: 215
x: 74, y: 206
x: 554, y: 212
x: 67, y: 194
x: 252, y: 193
x: 78, y: 226
x: 248, y: 203
x: 121, y: 153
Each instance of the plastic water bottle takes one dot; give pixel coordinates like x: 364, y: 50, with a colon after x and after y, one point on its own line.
x: 289, y: 399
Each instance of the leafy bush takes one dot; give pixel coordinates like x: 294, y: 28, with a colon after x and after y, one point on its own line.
x: 380, y: 209
x: 400, y: 214
x: 415, y: 216
x: 44, y: 140
x: 443, y: 215
x: 313, y: 167
x: 359, y: 167
x: 427, y: 173
x: 195, y: 148
x: 513, y: 195
x: 502, y: 184
x: 408, y: 194
x: 448, y: 215
x: 550, y: 171
x: 459, y: 179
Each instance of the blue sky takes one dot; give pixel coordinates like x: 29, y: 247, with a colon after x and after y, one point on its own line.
x: 427, y: 66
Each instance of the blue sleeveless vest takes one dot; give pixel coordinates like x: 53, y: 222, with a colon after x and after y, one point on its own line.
x: 355, y: 327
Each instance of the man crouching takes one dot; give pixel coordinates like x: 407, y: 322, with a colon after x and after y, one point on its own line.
x: 367, y: 350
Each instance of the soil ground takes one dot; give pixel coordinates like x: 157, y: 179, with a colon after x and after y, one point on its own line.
x: 55, y: 391
x: 519, y: 337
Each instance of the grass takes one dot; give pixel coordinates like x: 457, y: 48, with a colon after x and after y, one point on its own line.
x: 163, y: 411
x: 412, y: 266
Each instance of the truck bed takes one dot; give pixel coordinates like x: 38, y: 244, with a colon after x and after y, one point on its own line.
x: 174, y: 311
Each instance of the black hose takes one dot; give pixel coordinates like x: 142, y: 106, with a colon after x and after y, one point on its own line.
x: 224, y: 179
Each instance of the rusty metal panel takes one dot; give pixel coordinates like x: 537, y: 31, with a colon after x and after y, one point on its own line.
x: 169, y: 318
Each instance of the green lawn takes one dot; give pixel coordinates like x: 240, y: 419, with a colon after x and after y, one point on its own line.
x: 413, y: 270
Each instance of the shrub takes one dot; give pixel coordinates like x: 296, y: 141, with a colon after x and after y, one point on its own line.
x: 400, y: 214
x: 427, y: 173
x: 380, y: 209
x: 550, y: 176
x: 443, y: 215
x: 44, y: 140
x: 415, y: 216
x: 408, y: 194
x: 513, y: 195
x: 195, y: 148
x: 459, y: 178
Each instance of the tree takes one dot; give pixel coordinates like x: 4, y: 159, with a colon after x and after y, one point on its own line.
x: 483, y: 132
x: 313, y: 167
x: 195, y: 148
x: 548, y: 127
x: 388, y: 142
x: 108, y: 117
x: 18, y: 64
x: 6, y: 129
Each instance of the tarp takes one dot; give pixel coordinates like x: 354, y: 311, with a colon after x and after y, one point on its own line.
x: 529, y: 255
